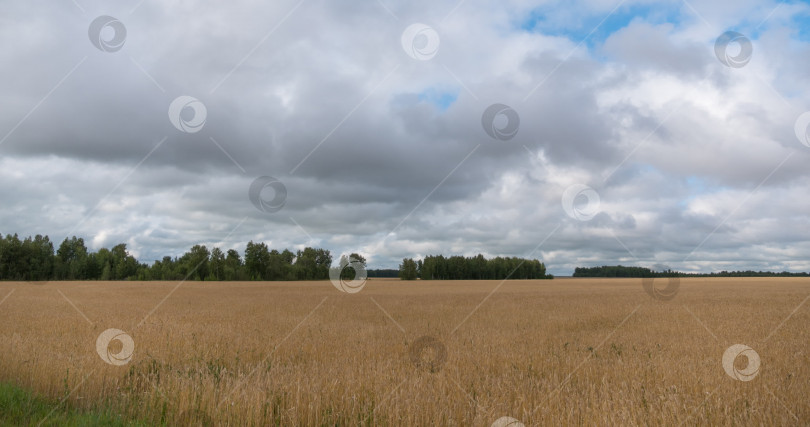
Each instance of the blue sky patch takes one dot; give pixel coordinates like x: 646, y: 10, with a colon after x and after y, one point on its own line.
x: 556, y: 21
x: 802, y: 24
x: 442, y: 99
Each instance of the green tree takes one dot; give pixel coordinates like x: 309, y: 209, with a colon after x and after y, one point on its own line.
x: 350, y: 273
x: 123, y: 266
x: 233, y: 266
x: 257, y: 260
x: 71, y: 259
x: 216, y: 265
x: 37, y: 253
x: 408, y: 270
x: 106, y: 272
x: 358, y: 258
x: 195, y: 263
x: 312, y: 264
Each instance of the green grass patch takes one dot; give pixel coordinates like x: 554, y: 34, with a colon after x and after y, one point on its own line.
x: 19, y: 407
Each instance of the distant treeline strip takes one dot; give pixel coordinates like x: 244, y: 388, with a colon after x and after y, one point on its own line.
x: 626, y: 271
x: 438, y: 267
x: 384, y: 272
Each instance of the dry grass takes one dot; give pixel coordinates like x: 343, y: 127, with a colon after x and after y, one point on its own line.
x: 566, y: 351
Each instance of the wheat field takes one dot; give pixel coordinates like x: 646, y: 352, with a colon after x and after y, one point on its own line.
x: 559, y: 352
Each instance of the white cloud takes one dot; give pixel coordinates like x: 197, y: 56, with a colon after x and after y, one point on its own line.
x: 685, y: 138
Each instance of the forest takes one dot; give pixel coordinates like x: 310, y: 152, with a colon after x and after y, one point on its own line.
x: 439, y: 267
x: 34, y: 259
x: 626, y: 271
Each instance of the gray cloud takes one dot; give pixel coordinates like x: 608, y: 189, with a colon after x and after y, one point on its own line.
x: 385, y: 154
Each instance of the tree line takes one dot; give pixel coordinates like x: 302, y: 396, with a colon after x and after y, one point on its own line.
x: 629, y: 271
x: 439, y: 267
x: 383, y: 273
x: 751, y: 273
x: 619, y: 271
x: 34, y: 259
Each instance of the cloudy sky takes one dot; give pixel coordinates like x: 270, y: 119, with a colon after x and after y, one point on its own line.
x: 627, y: 132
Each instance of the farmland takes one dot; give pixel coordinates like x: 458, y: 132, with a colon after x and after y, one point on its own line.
x: 565, y: 351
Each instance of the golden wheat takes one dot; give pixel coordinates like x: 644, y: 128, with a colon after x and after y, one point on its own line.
x: 567, y: 351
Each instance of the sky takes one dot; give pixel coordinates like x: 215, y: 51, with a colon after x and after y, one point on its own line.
x: 580, y: 133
